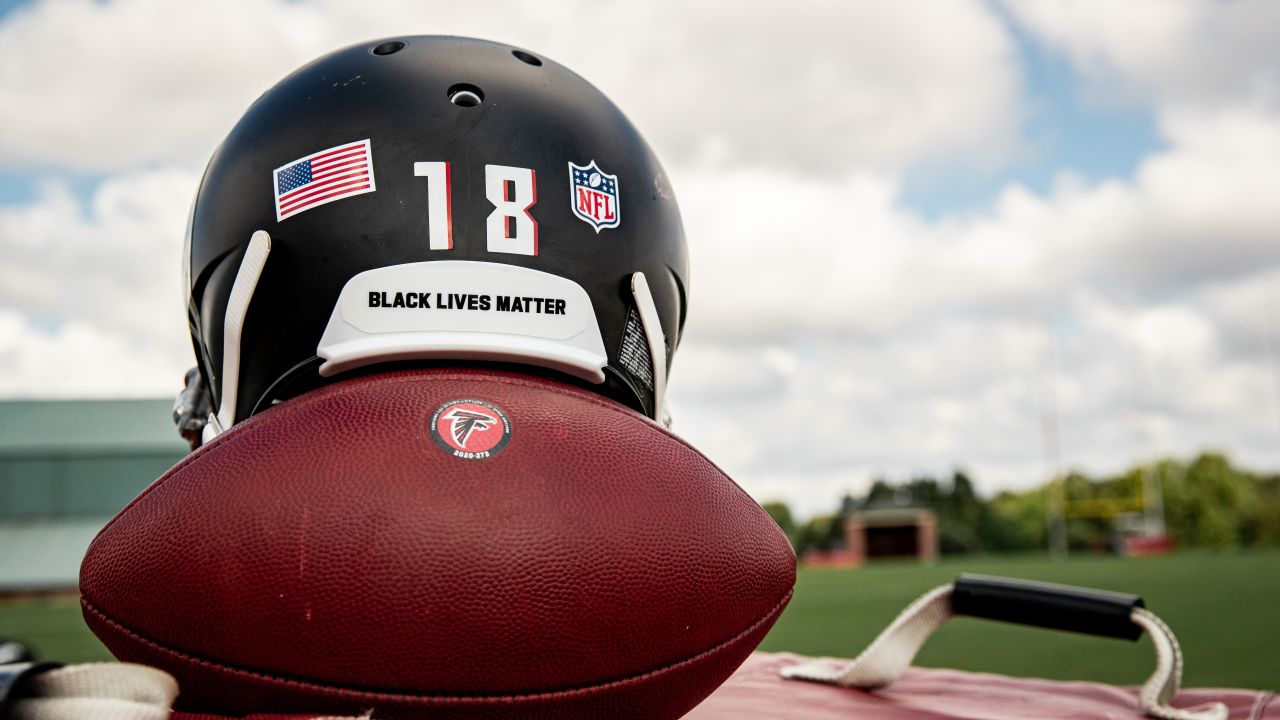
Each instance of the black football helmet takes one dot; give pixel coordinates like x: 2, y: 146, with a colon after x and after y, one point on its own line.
x: 430, y: 199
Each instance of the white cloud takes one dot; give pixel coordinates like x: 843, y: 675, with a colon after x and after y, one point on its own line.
x: 920, y: 345
x: 779, y: 254
x: 111, y: 86
x: 1246, y: 313
x: 1130, y: 382
x: 92, y: 293
x: 79, y: 360
x: 118, y: 85
x: 1183, y: 54
x: 815, y: 85
x: 848, y: 411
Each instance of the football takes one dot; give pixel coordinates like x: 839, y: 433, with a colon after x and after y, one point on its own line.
x: 461, y: 543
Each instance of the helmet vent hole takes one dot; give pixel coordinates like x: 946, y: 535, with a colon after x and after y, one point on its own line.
x: 525, y: 57
x: 387, y: 48
x: 464, y: 95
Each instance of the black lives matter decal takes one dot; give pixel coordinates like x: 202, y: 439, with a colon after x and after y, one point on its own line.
x: 467, y: 301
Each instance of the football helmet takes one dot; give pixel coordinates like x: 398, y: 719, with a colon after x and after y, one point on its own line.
x: 431, y: 199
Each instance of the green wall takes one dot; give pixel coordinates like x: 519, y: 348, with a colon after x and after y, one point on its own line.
x: 52, y: 486
x: 66, y: 467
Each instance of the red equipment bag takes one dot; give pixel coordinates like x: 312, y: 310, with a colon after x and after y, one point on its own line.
x: 757, y: 691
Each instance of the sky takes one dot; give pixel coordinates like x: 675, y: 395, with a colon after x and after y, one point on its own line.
x: 920, y: 232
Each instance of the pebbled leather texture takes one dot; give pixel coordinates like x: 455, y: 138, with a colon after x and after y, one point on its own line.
x: 330, y: 555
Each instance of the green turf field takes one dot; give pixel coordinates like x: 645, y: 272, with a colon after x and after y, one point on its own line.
x: 1225, y: 609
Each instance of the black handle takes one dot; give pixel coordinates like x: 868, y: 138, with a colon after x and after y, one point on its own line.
x: 1060, y: 607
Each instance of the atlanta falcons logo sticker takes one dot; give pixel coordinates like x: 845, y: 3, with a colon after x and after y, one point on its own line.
x: 470, y: 429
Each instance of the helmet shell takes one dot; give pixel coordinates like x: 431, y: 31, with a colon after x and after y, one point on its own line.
x: 402, y: 96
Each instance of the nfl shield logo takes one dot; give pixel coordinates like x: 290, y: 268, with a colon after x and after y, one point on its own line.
x: 594, y: 196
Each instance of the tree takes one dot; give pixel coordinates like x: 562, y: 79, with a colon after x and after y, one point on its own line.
x: 1262, y: 524
x: 1023, y: 519
x: 781, y: 514
x: 1208, y: 502
x: 881, y: 493
x: 824, y: 532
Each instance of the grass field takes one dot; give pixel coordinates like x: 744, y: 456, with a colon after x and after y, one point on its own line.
x: 1225, y: 609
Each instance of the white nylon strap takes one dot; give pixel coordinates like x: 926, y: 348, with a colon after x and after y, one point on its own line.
x: 1163, y: 684
x: 102, y: 691
x: 893, y: 650
x: 105, y: 691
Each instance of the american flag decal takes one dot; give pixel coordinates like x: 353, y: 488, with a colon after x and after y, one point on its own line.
x: 323, y: 177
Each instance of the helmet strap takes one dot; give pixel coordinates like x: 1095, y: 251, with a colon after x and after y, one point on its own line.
x: 255, y: 258
x: 648, y: 311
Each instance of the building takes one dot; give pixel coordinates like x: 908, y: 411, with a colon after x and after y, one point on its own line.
x: 66, y: 467
x: 892, y: 532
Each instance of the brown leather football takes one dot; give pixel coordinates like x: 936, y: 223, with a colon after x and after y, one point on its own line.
x: 441, y: 543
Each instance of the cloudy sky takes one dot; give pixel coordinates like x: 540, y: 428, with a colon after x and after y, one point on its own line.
x: 918, y: 230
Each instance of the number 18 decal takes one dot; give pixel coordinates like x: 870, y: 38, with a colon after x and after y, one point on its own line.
x: 512, y: 190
